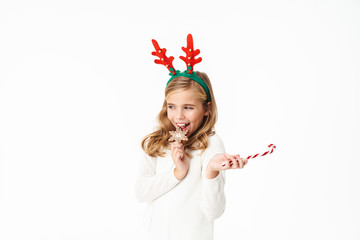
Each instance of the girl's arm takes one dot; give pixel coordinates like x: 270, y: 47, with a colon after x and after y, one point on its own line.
x: 150, y: 185
x: 213, y: 200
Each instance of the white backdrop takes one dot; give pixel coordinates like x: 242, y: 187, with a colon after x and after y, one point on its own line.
x: 79, y: 89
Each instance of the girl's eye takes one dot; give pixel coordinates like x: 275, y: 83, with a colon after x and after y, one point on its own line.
x: 171, y: 107
x: 188, y: 108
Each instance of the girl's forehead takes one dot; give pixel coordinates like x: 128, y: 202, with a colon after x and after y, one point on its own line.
x: 181, y: 96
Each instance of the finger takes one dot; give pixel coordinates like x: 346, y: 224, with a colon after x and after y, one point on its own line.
x: 178, y: 155
x: 175, y: 147
x: 227, y: 156
x: 182, y: 153
x: 241, y: 163
x: 225, y: 164
x: 235, y: 162
x: 228, y: 161
x: 176, y: 144
x: 241, y: 159
x: 179, y: 146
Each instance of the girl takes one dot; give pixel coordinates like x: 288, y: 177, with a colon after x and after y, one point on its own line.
x: 184, y: 182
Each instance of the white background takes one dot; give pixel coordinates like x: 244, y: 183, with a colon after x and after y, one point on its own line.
x: 79, y: 89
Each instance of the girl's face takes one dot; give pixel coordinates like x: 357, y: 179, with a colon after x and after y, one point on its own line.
x: 185, y: 110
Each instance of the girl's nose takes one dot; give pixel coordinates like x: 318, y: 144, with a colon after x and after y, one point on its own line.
x: 179, y: 114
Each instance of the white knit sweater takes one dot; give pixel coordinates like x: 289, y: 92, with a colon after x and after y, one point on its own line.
x: 186, y: 209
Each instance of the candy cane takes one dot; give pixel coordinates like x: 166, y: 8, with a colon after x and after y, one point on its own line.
x: 272, y: 146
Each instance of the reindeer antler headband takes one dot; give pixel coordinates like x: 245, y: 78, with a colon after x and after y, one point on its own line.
x: 190, y: 61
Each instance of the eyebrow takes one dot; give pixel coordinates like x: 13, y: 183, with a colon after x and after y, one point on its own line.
x: 186, y: 104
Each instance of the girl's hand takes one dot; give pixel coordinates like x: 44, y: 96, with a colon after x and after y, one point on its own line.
x: 216, y: 164
x: 180, y: 160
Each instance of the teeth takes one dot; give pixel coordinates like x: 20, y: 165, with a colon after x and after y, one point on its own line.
x: 181, y: 125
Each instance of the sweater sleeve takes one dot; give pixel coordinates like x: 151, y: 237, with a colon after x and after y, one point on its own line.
x: 212, y: 201
x: 151, y: 185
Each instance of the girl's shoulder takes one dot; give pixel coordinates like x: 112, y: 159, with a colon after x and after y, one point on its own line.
x: 215, y: 146
x: 215, y: 141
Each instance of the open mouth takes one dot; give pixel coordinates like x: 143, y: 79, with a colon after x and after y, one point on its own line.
x: 183, y: 126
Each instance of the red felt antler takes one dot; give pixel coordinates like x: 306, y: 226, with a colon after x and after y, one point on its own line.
x: 164, y: 60
x: 190, y: 54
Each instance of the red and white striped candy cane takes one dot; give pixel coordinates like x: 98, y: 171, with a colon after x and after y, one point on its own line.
x: 272, y: 146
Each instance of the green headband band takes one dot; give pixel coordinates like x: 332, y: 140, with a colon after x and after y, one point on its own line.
x: 194, y: 77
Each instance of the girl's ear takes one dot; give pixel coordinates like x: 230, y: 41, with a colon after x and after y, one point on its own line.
x: 208, y: 107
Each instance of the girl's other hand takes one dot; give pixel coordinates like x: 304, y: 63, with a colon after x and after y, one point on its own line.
x: 229, y: 161
x: 179, y: 157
